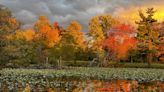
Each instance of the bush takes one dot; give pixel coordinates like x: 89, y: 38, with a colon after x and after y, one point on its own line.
x: 142, y: 65
x: 76, y: 63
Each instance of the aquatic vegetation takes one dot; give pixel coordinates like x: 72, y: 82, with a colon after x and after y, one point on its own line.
x: 70, y: 78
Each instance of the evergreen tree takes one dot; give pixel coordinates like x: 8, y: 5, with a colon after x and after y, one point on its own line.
x: 148, y: 38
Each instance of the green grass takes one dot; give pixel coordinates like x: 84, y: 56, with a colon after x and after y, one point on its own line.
x: 115, y: 64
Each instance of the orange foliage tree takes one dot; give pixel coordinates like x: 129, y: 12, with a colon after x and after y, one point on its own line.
x: 120, y: 40
x: 46, y: 37
x: 47, y: 32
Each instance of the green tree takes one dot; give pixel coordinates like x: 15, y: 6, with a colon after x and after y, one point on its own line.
x: 147, y: 37
x: 21, y: 53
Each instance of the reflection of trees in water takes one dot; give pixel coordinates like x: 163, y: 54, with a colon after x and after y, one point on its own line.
x: 88, y: 86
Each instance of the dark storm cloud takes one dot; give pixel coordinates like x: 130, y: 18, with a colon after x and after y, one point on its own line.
x: 64, y: 11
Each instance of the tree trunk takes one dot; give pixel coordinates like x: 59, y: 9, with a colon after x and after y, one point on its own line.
x: 75, y: 62
x: 131, y: 59
x: 149, y: 57
x: 46, y: 63
x: 105, y: 58
x: 105, y: 62
x: 60, y: 62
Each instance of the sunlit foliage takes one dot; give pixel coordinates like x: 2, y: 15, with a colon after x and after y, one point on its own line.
x: 120, y: 40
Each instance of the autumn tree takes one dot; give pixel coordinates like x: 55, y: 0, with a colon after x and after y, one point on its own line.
x: 99, y: 27
x: 47, y: 32
x: 8, y: 25
x: 46, y: 37
x: 27, y: 35
x: 7, y: 22
x: 74, y: 30
x: 148, y: 38
x: 160, y: 47
x: 71, y: 43
x: 120, y: 41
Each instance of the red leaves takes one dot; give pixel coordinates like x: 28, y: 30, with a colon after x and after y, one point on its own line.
x: 124, y: 28
x: 56, y: 24
x: 120, y: 41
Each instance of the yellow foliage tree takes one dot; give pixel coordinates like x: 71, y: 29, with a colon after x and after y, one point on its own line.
x: 73, y: 29
x: 27, y: 35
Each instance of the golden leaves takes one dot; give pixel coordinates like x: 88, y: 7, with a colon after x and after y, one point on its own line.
x: 27, y: 35
x: 74, y: 26
x: 73, y: 31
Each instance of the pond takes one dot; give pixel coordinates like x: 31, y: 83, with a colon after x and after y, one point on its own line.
x: 85, y: 86
x: 82, y: 79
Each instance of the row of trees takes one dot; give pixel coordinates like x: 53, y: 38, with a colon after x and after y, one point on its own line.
x: 107, y: 40
x: 123, y: 42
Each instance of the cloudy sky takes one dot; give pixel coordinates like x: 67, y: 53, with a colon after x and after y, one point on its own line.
x: 64, y: 11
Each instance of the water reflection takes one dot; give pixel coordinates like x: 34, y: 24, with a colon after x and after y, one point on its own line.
x: 88, y: 86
